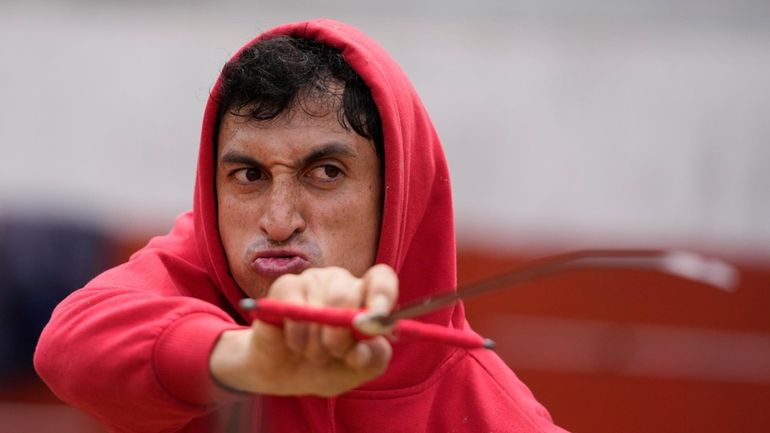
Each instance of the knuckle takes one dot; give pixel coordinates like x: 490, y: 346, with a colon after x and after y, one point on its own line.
x: 382, y: 281
x: 337, y: 298
x: 341, y: 288
x: 284, y: 284
x: 343, y: 295
x: 335, y: 274
x: 311, y: 272
x: 383, y: 270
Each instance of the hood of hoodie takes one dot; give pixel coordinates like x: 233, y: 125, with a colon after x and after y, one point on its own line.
x: 417, y: 228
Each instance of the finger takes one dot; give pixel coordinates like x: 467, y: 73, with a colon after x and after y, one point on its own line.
x: 293, y: 289
x: 336, y: 340
x: 370, y: 357
x: 266, y: 335
x: 315, y: 351
x: 296, y: 336
x: 317, y: 281
x: 342, y: 290
x: 381, y: 288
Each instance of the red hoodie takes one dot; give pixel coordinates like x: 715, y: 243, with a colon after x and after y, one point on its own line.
x: 131, y: 348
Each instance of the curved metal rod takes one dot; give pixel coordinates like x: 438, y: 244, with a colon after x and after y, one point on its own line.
x: 683, y: 264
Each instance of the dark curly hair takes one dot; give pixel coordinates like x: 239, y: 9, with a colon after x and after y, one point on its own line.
x: 283, y: 73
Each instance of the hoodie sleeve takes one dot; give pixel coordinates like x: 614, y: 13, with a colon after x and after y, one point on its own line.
x: 134, y: 358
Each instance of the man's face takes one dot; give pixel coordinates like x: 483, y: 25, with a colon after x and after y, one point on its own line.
x: 295, y: 192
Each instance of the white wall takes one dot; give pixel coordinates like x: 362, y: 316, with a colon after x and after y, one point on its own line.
x: 623, y: 121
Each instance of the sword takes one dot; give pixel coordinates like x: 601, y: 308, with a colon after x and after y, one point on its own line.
x: 398, y: 324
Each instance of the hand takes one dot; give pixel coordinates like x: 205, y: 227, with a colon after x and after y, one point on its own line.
x: 308, y: 358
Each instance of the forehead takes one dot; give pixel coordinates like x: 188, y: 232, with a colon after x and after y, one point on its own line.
x: 236, y: 129
x: 292, y: 138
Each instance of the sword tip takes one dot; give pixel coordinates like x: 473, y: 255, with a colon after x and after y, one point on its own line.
x: 489, y: 344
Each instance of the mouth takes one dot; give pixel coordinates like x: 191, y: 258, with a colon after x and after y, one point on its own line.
x: 273, y: 264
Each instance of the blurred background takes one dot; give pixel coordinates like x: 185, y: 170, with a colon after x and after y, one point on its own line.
x: 567, y: 124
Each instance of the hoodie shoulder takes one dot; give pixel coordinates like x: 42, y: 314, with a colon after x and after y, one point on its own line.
x: 168, y: 265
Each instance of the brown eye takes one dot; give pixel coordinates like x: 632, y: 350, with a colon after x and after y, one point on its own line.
x: 331, y: 171
x: 248, y: 175
x: 325, y: 173
x: 253, y: 175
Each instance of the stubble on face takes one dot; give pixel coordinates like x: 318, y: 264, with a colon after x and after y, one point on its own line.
x: 295, y: 192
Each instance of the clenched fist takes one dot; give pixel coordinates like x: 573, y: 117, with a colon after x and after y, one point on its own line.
x: 307, y: 358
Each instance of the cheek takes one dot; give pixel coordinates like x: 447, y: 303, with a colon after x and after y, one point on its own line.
x: 349, y: 229
x: 353, y: 214
x: 234, y: 232
x: 234, y: 212
x: 232, y: 220
x: 225, y: 220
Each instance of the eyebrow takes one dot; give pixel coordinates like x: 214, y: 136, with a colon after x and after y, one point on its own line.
x: 235, y: 157
x: 328, y: 150
x: 325, y: 151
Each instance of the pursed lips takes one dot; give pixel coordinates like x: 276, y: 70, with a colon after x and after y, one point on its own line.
x: 274, y: 263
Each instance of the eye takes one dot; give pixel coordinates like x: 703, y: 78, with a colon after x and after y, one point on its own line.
x: 325, y: 173
x: 248, y: 175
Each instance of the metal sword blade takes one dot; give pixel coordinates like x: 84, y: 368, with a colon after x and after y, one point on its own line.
x: 687, y: 265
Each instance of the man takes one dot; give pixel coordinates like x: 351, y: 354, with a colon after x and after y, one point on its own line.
x: 321, y: 181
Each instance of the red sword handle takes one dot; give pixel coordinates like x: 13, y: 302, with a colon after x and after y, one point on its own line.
x: 407, y: 328
x: 274, y: 312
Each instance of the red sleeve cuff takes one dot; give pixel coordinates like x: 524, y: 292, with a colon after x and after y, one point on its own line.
x: 181, y: 359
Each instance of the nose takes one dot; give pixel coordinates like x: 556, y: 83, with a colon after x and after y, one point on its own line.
x: 281, y: 216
